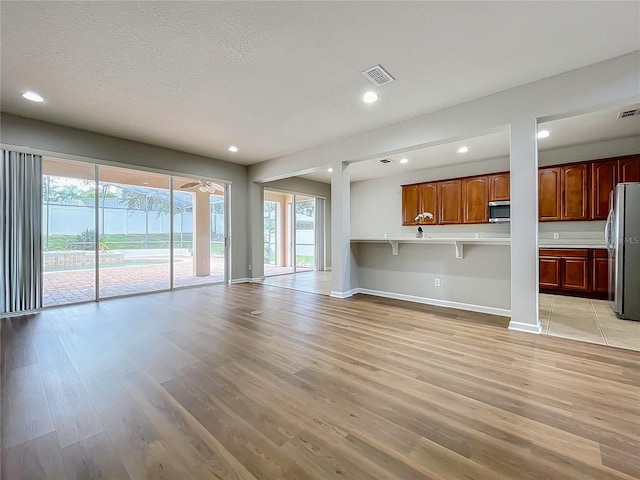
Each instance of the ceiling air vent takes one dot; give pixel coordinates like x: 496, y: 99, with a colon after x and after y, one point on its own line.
x: 629, y: 113
x: 384, y: 160
x: 377, y: 75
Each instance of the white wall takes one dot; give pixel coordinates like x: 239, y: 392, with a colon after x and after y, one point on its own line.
x: 24, y: 134
x: 480, y: 280
x: 617, y: 147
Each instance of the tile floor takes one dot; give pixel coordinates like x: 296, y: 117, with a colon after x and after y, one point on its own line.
x: 587, y: 320
x: 314, y: 282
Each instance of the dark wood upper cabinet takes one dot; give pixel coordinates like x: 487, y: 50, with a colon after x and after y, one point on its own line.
x: 475, y: 200
x: 410, y: 196
x: 629, y: 169
x: 573, y: 190
x: 576, y: 191
x: 499, y: 187
x: 428, y: 202
x: 604, y: 176
x: 549, y: 194
x: 450, y: 198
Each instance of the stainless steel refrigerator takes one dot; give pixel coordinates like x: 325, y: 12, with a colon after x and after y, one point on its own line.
x: 622, y: 235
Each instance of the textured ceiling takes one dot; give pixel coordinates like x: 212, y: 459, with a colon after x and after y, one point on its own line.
x: 278, y: 77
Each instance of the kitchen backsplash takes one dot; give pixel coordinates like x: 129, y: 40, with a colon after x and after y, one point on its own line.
x: 584, y: 233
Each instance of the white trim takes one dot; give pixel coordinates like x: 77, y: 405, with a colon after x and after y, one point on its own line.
x: 233, y: 281
x: 525, y: 327
x: 434, y: 301
x: 256, y: 280
x: 346, y: 294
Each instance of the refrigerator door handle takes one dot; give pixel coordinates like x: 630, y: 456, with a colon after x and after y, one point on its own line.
x: 607, y: 231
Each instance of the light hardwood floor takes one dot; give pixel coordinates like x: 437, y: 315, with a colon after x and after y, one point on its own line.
x: 191, y: 385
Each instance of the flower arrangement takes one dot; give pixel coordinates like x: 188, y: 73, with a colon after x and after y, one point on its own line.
x: 423, y: 216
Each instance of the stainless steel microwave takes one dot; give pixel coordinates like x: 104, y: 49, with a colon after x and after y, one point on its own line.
x: 500, y: 212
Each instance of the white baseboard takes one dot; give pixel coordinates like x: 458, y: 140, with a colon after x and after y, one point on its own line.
x: 434, y: 301
x: 525, y: 327
x: 246, y: 280
x: 346, y: 294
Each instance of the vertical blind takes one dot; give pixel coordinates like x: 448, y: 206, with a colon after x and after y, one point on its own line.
x: 20, y: 232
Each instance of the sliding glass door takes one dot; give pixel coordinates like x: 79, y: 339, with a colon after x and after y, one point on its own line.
x: 134, y: 227
x: 305, y: 233
x: 109, y: 231
x: 199, y: 239
x: 290, y: 233
x: 68, y: 243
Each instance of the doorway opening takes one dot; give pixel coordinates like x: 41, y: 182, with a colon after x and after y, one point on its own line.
x: 293, y: 233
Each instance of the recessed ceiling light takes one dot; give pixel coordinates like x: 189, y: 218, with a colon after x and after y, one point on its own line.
x: 329, y: 169
x: 463, y: 149
x: 145, y: 183
x: 404, y: 160
x: 370, y: 97
x: 233, y: 148
x: 543, y: 133
x: 33, y: 96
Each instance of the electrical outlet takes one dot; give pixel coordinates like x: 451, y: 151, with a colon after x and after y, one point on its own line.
x: 249, y: 267
x: 437, y: 282
x: 556, y: 236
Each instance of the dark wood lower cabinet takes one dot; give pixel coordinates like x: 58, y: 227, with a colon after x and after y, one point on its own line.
x: 582, y: 272
x: 600, y: 269
x: 550, y: 272
x: 575, y: 275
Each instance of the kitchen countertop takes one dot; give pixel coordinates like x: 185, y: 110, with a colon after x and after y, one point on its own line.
x: 548, y: 244
x: 495, y: 240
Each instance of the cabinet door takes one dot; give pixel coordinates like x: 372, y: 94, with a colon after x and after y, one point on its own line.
x: 603, y: 179
x: 410, y: 197
x: 499, y: 187
x: 549, y: 194
x: 550, y: 272
x: 629, y: 169
x: 574, y: 274
x: 600, y: 271
x: 450, y: 197
x: 429, y: 202
x: 574, y: 192
x: 475, y: 200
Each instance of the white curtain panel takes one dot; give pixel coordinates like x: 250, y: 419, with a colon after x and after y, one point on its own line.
x: 20, y: 232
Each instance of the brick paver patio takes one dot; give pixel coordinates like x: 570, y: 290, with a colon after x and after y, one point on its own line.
x: 73, y: 286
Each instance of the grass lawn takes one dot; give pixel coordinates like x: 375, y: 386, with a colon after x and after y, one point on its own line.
x: 131, y: 242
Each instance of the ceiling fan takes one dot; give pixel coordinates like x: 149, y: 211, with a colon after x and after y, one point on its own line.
x: 204, y: 186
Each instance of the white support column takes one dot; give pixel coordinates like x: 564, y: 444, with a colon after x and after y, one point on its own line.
x: 524, y: 226
x: 340, y: 231
x: 255, y: 267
